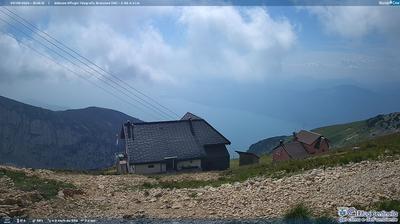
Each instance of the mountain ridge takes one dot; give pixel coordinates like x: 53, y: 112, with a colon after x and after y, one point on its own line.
x: 77, y: 139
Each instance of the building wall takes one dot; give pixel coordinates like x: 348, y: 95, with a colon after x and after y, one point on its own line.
x: 149, y: 168
x: 217, y: 157
x: 310, y: 148
x: 279, y: 154
x: 246, y: 159
x: 122, y: 167
x: 189, y: 163
x: 323, y: 146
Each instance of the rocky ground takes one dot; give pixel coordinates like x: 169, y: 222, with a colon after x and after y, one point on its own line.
x: 14, y: 202
x: 118, y: 196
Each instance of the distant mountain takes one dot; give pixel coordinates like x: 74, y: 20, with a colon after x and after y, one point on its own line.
x: 41, y: 104
x: 266, y: 145
x: 72, y: 139
x: 341, y: 134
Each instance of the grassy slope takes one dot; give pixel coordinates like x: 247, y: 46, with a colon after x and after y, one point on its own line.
x: 345, y: 134
x: 47, y: 188
x: 374, y: 149
x: 265, y: 159
x: 339, y: 135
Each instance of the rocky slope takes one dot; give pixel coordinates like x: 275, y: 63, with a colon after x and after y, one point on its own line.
x: 72, y: 139
x: 323, y: 190
x: 342, y: 134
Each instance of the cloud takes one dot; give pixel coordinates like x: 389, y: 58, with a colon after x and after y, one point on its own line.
x: 365, y: 68
x: 217, y: 42
x: 130, y: 58
x: 19, y: 62
x: 243, y: 45
x: 358, y: 43
x: 100, y: 40
x: 355, y: 22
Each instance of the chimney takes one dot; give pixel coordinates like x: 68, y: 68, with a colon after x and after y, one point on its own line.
x: 128, y: 125
x: 191, y: 126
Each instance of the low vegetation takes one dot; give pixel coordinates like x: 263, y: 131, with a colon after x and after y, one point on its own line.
x: 345, y: 134
x: 375, y: 149
x: 106, y: 171
x: 300, y: 214
x: 387, y: 205
x: 265, y: 159
x: 47, y: 188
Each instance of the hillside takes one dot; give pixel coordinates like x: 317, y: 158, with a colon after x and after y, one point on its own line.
x: 71, y: 139
x: 342, y: 134
x: 351, y: 133
x: 265, y: 146
x: 263, y: 191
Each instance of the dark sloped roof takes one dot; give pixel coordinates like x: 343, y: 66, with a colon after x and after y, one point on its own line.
x: 154, y: 141
x: 307, y: 137
x: 247, y: 153
x: 189, y: 115
x: 295, y: 150
x: 207, y: 134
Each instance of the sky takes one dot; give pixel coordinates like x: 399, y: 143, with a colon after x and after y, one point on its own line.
x: 252, y: 72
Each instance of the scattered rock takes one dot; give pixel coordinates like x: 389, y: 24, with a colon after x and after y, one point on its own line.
x: 322, y: 189
x: 19, y: 212
x: 60, y: 194
x: 5, y: 207
x: 176, y: 206
x: 128, y: 216
x: 158, y: 195
x: 72, y: 192
x: 34, y: 196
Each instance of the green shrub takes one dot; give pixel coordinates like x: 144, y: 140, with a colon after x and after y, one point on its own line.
x: 388, y: 205
x: 370, y: 145
x: 298, y: 214
x: 147, y: 185
x: 193, y: 195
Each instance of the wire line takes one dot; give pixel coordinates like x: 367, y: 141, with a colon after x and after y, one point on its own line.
x: 99, y: 78
x: 72, y: 71
x: 35, y: 29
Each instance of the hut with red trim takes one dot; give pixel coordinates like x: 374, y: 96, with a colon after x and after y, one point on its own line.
x: 304, y: 144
